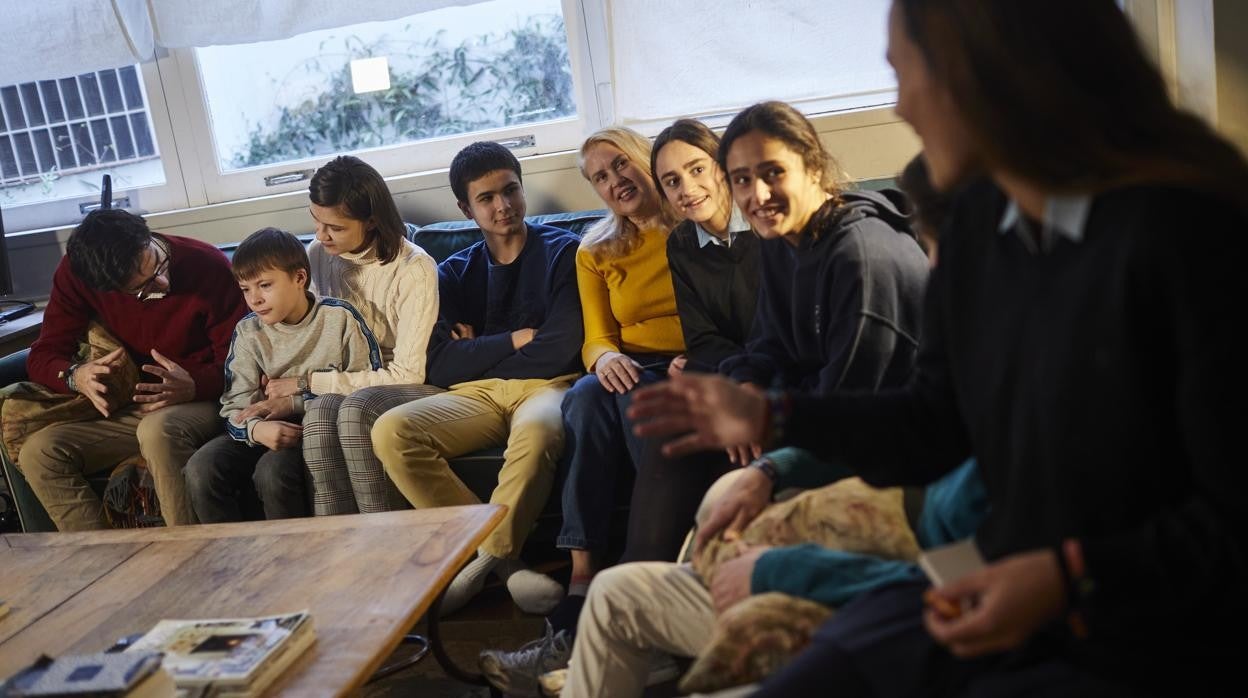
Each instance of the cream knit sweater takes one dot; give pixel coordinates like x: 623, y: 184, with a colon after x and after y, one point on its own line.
x: 399, y: 302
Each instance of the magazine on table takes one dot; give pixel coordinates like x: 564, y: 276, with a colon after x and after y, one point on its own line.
x: 228, y: 656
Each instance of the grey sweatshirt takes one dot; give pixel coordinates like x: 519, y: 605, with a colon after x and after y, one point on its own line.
x: 332, y: 336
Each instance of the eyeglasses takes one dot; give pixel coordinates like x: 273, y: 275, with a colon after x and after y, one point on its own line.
x: 145, y: 291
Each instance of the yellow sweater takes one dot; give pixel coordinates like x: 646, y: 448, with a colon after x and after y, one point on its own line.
x: 628, y: 302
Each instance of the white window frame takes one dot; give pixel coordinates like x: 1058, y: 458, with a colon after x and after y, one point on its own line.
x: 420, y: 156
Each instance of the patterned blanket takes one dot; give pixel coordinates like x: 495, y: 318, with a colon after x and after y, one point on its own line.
x: 27, y: 407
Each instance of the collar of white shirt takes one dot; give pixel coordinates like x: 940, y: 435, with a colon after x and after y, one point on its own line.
x: 1065, y: 216
x: 736, y: 224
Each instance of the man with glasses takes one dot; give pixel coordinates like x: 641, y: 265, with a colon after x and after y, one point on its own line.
x: 172, y: 303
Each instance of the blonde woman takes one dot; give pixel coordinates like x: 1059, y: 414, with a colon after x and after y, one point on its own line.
x: 632, y: 333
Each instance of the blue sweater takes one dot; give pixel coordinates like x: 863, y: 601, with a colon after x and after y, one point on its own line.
x: 537, y: 290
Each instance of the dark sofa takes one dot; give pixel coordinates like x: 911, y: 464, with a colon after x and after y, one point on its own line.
x: 479, y: 471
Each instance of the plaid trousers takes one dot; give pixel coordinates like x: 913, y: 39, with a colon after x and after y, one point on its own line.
x: 346, y: 477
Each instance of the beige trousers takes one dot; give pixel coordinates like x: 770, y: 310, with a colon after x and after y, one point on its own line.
x: 632, y: 610
x: 55, y: 460
x: 637, y: 608
x: 414, y: 441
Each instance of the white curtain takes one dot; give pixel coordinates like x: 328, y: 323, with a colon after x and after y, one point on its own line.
x: 185, y: 23
x: 695, y: 56
x: 49, y: 39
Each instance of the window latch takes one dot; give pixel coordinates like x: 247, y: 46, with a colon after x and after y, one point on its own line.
x: 287, y: 178
x: 120, y: 202
x: 519, y: 142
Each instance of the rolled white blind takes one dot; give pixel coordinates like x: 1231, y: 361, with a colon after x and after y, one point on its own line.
x: 187, y: 23
x: 51, y: 39
x: 672, y: 59
x: 48, y: 39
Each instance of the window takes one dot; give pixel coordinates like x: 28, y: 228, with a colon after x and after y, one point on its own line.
x: 701, y: 58
x: 58, y: 137
x: 410, y: 91
x: 55, y: 132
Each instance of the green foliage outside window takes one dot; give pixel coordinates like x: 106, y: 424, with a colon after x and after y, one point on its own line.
x: 452, y: 90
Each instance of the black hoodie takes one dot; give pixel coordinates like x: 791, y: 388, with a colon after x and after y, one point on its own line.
x: 842, y: 309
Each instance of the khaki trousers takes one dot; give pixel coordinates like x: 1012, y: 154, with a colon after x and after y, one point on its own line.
x: 635, y: 609
x: 56, y: 459
x: 414, y: 441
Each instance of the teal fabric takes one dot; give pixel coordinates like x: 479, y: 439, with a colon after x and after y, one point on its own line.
x: 829, y: 577
x: 953, y: 508
x: 798, y: 468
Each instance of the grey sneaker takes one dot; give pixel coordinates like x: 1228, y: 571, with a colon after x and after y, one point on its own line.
x: 515, y: 673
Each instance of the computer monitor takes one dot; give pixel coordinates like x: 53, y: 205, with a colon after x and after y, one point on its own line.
x: 10, y: 308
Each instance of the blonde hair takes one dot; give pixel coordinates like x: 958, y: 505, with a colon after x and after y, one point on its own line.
x: 616, y: 235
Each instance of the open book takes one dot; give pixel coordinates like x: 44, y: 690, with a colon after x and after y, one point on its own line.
x: 228, y: 657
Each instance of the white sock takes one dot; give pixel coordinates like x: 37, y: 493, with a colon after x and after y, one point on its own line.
x: 532, y: 591
x: 468, y: 583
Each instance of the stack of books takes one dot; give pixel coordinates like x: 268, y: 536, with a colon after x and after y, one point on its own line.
x: 228, y: 658
x: 223, y: 658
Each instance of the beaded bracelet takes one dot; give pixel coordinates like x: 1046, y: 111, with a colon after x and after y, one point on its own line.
x: 1077, y: 592
x: 779, y: 410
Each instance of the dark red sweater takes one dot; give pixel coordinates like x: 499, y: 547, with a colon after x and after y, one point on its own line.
x: 191, y: 326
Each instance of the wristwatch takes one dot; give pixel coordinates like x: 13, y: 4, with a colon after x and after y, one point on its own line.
x: 301, y: 384
x: 68, y: 376
x: 764, y: 465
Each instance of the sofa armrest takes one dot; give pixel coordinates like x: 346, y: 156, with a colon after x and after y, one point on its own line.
x: 13, y: 368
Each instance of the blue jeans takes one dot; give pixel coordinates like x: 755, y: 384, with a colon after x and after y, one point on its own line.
x: 598, y: 443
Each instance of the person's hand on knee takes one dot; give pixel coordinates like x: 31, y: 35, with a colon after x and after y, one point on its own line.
x: 732, y: 580
x: 748, y: 495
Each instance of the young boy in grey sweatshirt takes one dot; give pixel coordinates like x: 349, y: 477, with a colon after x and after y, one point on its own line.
x: 258, y: 464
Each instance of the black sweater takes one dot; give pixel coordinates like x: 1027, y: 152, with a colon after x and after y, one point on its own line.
x: 1099, y: 386
x: 842, y: 309
x: 537, y: 290
x: 716, y: 292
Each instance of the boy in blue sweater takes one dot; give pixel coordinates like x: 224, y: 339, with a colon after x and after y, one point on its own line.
x: 507, y: 346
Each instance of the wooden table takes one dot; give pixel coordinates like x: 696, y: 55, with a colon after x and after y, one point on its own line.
x: 366, y: 579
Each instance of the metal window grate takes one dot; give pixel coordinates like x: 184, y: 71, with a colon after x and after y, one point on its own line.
x: 58, y: 127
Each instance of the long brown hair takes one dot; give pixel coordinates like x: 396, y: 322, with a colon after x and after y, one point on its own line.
x: 1060, y: 93
x: 353, y: 186
x: 786, y: 124
x: 700, y: 136
x: 691, y: 131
